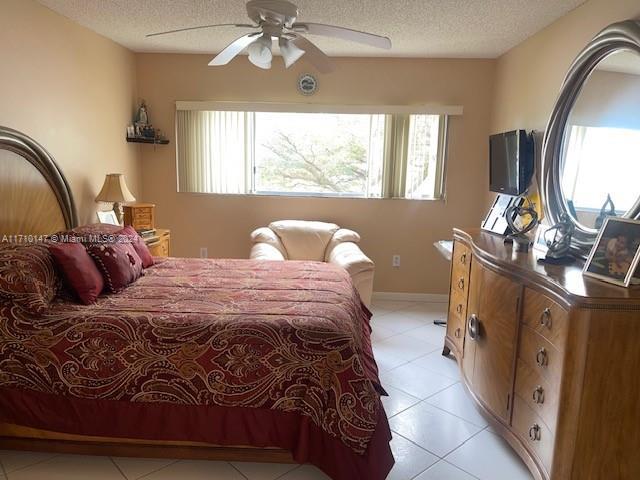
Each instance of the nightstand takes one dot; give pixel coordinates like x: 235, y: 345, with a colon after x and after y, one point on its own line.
x: 160, y: 244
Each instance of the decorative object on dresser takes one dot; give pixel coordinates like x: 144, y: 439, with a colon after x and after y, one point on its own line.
x: 140, y: 216
x: 519, y: 233
x: 107, y: 216
x: 115, y: 191
x: 615, y: 256
x: 557, y: 242
x: 546, y: 354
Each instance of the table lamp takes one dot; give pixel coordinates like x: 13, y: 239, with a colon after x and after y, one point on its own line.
x: 115, y: 190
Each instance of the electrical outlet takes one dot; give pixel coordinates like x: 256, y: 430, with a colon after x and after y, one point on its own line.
x: 396, y: 261
x: 203, y: 252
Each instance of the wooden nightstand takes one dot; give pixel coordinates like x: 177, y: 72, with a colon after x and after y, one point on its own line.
x: 160, y: 245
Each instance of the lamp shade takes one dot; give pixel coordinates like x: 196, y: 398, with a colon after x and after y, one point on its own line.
x: 115, y: 189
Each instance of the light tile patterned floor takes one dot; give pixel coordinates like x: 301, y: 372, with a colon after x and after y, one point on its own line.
x: 437, y: 432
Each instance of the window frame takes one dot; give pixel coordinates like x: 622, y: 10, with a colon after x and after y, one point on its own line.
x: 395, y: 145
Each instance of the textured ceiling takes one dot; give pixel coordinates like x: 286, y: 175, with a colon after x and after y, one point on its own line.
x: 417, y: 28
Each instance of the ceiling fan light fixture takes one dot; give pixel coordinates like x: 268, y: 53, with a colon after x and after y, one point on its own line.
x: 260, y: 51
x: 290, y: 52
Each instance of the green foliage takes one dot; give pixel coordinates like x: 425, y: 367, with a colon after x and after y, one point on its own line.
x: 314, y: 162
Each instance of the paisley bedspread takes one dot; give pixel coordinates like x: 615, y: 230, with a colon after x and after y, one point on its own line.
x: 286, y: 336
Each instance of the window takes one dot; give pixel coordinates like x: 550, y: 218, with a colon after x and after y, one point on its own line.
x: 586, y: 183
x: 321, y: 154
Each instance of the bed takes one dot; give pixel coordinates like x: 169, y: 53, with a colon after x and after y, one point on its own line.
x: 216, y: 359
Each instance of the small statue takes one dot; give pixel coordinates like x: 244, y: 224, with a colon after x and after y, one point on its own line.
x: 604, y: 213
x: 143, y: 117
x: 521, y: 241
x: 558, y: 240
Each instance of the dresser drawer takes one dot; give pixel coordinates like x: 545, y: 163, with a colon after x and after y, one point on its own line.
x: 546, y: 317
x: 533, y: 432
x: 457, y: 316
x: 543, y: 358
x: 540, y: 395
x: 460, y: 268
x: 159, y: 248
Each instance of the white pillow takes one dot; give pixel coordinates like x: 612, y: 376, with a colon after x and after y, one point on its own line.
x: 304, y: 240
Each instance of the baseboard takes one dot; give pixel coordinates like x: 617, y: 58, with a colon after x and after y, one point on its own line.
x: 411, y: 297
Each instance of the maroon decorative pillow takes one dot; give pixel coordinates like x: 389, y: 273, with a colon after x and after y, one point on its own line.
x: 79, y: 269
x: 138, y: 244
x: 28, y: 276
x: 88, y: 234
x: 119, y: 263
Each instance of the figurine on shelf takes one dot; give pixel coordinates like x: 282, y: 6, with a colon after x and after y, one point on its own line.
x: 142, y: 118
x: 558, y: 240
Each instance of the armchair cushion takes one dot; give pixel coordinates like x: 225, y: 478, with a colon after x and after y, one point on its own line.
x: 304, y: 240
x: 349, y: 256
x: 265, y: 251
x: 266, y: 236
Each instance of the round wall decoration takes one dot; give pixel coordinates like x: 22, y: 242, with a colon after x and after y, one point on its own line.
x: 307, y: 84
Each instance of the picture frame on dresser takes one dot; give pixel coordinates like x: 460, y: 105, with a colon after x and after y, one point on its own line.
x: 615, y: 255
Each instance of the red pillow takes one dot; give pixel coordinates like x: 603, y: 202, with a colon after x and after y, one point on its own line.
x: 79, y: 269
x: 138, y: 244
x: 119, y: 263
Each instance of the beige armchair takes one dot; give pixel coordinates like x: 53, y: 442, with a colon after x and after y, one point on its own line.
x: 318, y: 241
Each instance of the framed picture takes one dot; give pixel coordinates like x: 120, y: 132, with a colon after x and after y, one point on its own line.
x: 540, y: 243
x: 108, y: 217
x: 615, y: 256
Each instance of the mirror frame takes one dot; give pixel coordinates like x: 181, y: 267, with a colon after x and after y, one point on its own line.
x: 618, y: 36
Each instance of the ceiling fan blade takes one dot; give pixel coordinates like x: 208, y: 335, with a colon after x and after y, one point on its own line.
x: 343, y: 33
x: 233, y: 49
x: 315, y: 56
x: 240, y: 25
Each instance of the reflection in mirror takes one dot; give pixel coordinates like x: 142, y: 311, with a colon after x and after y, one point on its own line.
x: 601, y: 146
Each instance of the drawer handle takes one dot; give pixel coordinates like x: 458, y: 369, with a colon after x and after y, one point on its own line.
x: 545, y: 318
x: 473, y: 326
x: 534, y: 432
x: 459, y: 308
x: 461, y: 284
x: 542, y: 359
x: 457, y: 333
x: 463, y: 258
x: 538, y: 395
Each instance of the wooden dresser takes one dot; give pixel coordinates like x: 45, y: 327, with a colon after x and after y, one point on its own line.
x: 160, y: 245
x: 551, y: 357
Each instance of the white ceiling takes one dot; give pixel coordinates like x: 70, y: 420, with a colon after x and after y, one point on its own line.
x: 417, y: 28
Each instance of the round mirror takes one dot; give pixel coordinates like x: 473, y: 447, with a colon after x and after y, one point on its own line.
x: 600, y: 160
x: 591, y: 151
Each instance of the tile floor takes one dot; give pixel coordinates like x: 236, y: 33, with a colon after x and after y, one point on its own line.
x: 437, y: 432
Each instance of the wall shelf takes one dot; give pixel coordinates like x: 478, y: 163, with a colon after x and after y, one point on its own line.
x: 148, y: 140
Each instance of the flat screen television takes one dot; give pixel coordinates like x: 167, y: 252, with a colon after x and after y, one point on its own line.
x: 511, y: 162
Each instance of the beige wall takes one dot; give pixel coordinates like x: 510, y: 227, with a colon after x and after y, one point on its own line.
x: 388, y: 227
x: 73, y: 91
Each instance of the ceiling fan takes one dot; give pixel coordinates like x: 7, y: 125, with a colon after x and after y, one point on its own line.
x: 276, y: 20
